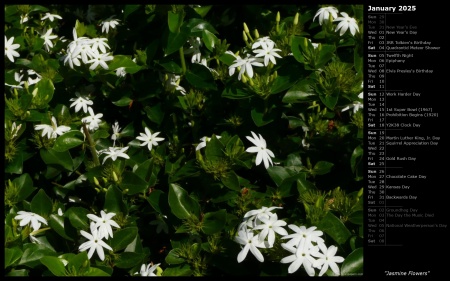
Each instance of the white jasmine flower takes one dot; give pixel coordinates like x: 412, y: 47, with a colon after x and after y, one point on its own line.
x: 305, y: 144
x: 149, y: 139
x: 94, y: 243
x: 32, y: 73
x: 303, y: 234
x: 93, y: 120
x: 104, y: 223
x: 315, y: 45
x: 47, y: 39
x: 83, y: 51
x: 10, y: 49
x: 148, y: 270
x: 77, y: 40
x: 68, y: 58
x: 250, y: 242
x: 269, y: 53
x: 120, y: 72
x: 262, y: 41
x: 346, y: 22
x: 172, y: 82
x: 101, y: 59
x: 300, y: 256
x: 268, y: 228
x: 23, y: 18
x: 60, y: 212
x: 99, y: 43
x: 28, y: 217
x: 326, y: 14
x: 116, y: 132
x: 263, y: 153
x: 110, y: 22
x: 114, y: 152
x: 52, y: 131
x: 327, y: 259
x: 196, y: 43
x: 81, y: 103
x: 245, y: 65
x: 51, y: 17
x: 203, y: 142
x: 356, y: 105
x: 15, y: 129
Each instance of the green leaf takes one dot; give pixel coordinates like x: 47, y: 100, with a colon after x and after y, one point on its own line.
x: 356, y: 158
x: 171, y: 66
x: 325, y: 54
x: 159, y: 201
x: 129, y: 260
x: 214, y: 149
x: 41, y: 204
x: 124, y: 61
x: 231, y: 180
x: 129, y: 9
x: 334, y: 227
x: 300, y: 92
x: 176, y: 40
x: 114, y: 200
x: 234, y: 147
x: 25, y: 184
x: 12, y: 255
x: 174, y: 21
x: 133, y: 183
x: 188, y: 169
x: 227, y: 59
x: 155, y: 113
x: 68, y: 140
x: 33, y: 253
x: 329, y: 100
x: 173, y: 257
x: 202, y: 10
x: 214, y: 222
x: 181, y: 204
x: 260, y: 117
x: 37, y: 8
x: 322, y: 167
x: 45, y: 91
x: 287, y: 75
x: 61, y: 226
x: 53, y: 157
x: 200, y: 77
x: 123, y: 101
x: 17, y: 273
x: 61, y: 112
x: 299, y: 45
x: 78, y: 217
x: 196, y: 26
x: 180, y: 270
x: 55, y: 265
x: 353, y: 264
x: 285, y: 179
x: 95, y: 272
x: 76, y: 261
x: 209, y: 39
x: 357, y: 217
x: 234, y: 92
x: 144, y: 169
x: 80, y: 28
x: 123, y: 237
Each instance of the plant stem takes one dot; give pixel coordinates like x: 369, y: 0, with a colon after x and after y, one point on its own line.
x: 91, y: 146
x: 183, y: 63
